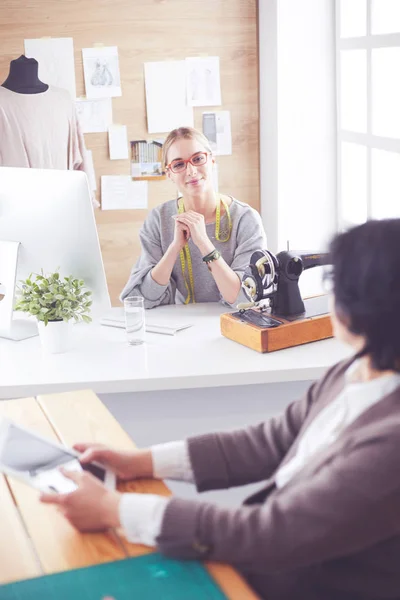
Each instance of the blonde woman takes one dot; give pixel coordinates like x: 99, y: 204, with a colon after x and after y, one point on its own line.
x: 196, y: 248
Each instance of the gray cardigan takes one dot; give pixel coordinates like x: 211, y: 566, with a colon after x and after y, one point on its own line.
x: 157, y: 234
x: 332, y: 533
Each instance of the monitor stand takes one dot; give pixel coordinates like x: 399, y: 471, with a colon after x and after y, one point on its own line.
x: 11, y: 328
x: 20, y: 329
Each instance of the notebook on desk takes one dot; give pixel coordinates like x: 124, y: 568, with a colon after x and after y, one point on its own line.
x: 150, y: 577
x: 154, y: 323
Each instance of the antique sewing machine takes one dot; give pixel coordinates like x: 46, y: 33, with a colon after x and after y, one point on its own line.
x: 276, y: 316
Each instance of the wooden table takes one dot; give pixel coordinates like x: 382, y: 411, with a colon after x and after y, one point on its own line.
x: 35, y: 538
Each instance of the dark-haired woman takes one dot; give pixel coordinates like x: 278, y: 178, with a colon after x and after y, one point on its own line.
x: 326, y: 524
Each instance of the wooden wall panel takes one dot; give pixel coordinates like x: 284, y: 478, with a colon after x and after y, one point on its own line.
x: 151, y: 30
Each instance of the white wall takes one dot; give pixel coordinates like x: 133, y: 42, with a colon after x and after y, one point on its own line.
x: 298, y: 125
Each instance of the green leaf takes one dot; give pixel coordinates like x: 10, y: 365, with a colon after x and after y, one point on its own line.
x: 50, y: 298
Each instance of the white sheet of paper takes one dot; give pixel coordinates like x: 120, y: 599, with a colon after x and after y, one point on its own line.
x: 120, y: 192
x: 90, y: 171
x: 203, y: 81
x: 215, y: 177
x: 166, y: 96
x: 115, y: 317
x: 101, y: 70
x: 94, y: 114
x: 139, y: 194
x: 118, y: 142
x: 56, y: 61
x: 217, y: 129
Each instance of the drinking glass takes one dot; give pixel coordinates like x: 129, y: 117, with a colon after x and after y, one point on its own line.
x: 134, y: 320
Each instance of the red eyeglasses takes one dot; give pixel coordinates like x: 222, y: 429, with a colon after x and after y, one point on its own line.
x: 197, y: 160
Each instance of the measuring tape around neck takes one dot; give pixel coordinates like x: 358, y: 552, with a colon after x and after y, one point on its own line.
x: 184, y: 254
x: 218, y: 220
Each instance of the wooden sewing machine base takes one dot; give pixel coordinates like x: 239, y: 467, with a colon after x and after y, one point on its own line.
x: 303, y: 330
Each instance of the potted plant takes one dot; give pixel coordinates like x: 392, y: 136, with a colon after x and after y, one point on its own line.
x: 54, y: 302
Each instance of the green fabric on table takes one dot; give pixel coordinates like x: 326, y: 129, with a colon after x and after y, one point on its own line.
x: 150, y: 577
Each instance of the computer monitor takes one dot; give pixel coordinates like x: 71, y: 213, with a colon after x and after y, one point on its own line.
x: 51, y: 214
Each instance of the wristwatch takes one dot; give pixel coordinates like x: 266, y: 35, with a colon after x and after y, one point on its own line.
x: 214, y: 255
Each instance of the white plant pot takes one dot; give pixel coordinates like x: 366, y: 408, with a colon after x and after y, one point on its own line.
x: 55, y: 336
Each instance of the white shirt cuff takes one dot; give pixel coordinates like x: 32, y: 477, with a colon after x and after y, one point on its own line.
x: 141, y: 517
x: 172, y: 461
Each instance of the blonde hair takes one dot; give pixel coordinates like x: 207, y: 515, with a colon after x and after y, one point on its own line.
x: 187, y: 133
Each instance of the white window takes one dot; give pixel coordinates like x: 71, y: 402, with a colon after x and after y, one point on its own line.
x: 368, y: 101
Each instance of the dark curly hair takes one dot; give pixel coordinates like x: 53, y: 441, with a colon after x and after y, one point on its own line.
x: 366, y: 287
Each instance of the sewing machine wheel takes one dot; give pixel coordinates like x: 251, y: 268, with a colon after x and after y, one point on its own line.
x: 250, y: 287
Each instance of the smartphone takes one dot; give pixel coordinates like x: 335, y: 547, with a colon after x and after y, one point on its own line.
x: 36, y: 460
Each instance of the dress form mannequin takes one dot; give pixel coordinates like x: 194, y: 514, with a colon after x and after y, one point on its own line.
x: 38, y: 123
x: 23, y: 77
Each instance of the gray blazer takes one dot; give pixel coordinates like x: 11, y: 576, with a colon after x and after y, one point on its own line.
x: 332, y: 533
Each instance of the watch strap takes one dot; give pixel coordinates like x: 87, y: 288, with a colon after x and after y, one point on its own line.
x: 213, y: 255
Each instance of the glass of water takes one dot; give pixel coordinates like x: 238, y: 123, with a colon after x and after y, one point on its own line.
x: 134, y: 319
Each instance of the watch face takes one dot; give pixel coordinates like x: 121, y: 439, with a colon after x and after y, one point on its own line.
x: 215, y: 255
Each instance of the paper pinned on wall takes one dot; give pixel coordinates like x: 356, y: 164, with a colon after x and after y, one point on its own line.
x: 119, y: 192
x: 140, y: 194
x: 94, y: 114
x: 101, y: 70
x: 166, y: 103
x: 217, y: 129
x: 118, y: 142
x: 215, y: 177
x: 90, y: 171
x: 203, y: 81
x: 56, y: 61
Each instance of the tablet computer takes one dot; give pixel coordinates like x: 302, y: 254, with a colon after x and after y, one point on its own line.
x: 36, y: 460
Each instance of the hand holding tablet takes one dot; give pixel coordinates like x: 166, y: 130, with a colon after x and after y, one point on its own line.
x: 36, y: 460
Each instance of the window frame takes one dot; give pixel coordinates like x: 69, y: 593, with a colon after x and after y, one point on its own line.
x: 371, y: 142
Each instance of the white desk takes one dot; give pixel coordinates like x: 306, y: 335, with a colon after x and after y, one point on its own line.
x: 197, y: 357
x: 171, y: 387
